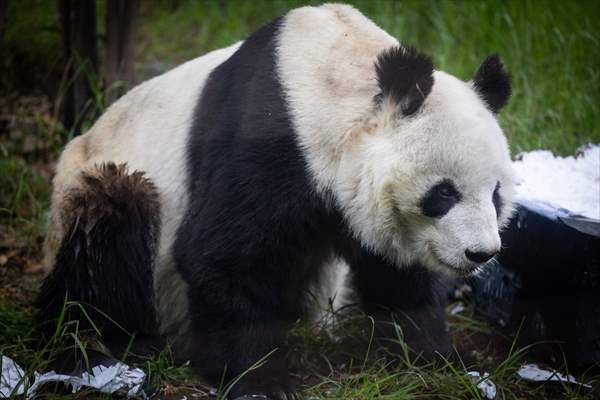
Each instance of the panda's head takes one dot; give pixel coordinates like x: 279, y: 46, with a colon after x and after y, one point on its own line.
x: 426, y: 176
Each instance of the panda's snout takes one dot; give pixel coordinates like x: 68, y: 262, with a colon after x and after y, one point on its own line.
x: 479, y: 257
x: 482, y: 238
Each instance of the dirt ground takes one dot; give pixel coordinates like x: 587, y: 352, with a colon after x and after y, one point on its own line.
x: 20, y: 273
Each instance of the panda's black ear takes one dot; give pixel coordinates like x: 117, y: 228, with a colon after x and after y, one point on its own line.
x: 404, y: 76
x: 492, y: 82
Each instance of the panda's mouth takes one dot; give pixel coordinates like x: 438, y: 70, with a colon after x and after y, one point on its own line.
x: 462, y: 270
x: 452, y: 268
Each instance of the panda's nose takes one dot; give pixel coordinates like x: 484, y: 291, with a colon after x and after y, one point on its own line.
x: 479, y: 256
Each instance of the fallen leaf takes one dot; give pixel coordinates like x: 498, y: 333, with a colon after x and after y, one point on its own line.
x: 33, y: 267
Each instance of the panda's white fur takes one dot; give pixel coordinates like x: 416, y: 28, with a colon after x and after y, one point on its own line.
x: 147, y: 129
x: 363, y: 157
x: 454, y: 136
x: 369, y: 158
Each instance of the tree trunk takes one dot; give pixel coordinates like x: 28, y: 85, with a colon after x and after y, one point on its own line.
x: 121, y: 19
x: 78, y: 27
x: 3, y: 19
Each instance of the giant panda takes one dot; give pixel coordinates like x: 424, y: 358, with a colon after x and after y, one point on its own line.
x: 207, y: 203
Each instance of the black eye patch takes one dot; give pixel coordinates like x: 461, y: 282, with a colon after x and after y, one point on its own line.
x: 439, y: 199
x: 497, y: 200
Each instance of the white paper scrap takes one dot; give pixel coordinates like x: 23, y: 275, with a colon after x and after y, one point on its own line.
x: 104, y: 379
x: 485, y: 385
x: 13, y: 380
x: 457, y: 308
x: 532, y: 372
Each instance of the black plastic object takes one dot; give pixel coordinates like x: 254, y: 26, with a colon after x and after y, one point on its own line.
x: 494, y: 291
x: 547, y: 282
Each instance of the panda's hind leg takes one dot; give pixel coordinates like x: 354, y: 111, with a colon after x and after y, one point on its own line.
x: 103, y: 259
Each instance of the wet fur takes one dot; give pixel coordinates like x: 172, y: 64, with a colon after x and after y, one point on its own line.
x: 271, y: 161
x: 105, y: 259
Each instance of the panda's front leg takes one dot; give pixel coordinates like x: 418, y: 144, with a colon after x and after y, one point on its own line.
x: 238, y: 330
x: 410, y: 297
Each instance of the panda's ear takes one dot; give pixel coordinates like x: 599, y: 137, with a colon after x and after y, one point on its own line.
x: 492, y: 82
x: 405, y: 77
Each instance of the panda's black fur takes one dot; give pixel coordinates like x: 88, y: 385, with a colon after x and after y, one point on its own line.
x: 252, y: 219
x: 405, y: 76
x: 258, y: 218
x: 257, y: 230
x: 493, y: 83
x: 106, y: 258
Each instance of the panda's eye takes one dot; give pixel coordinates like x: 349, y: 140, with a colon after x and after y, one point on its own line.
x: 446, y: 189
x: 439, y: 199
x: 496, y: 199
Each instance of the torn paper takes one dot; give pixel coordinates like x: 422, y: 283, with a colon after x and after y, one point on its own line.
x: 117, y: 377
x: 13, y: 380
x: 485, y: 385
x: 532, y: 372
x: 457, y: 308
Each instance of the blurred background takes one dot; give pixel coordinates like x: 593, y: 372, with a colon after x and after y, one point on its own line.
x: 63, y: 62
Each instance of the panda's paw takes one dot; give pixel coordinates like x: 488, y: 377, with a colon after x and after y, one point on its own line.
x: 418, y: 349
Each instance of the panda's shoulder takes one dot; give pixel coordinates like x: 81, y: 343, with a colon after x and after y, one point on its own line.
x: 179, y: 81
x: 332, y: 20
x: 142, y: 111
x: 332, y: 15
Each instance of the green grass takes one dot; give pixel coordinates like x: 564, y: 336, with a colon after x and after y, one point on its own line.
x: 24, y: 200
x: 339, y: 361
x: 21, y: 341
x: 551, y: 48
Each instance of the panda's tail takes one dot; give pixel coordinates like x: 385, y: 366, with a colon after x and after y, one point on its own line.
x: 102, y: 272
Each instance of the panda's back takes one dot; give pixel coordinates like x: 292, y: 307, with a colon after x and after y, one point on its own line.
x: 148, y: 127
x: 148, y: 130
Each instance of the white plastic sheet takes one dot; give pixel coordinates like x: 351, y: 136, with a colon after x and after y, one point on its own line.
x: 572, y: 183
